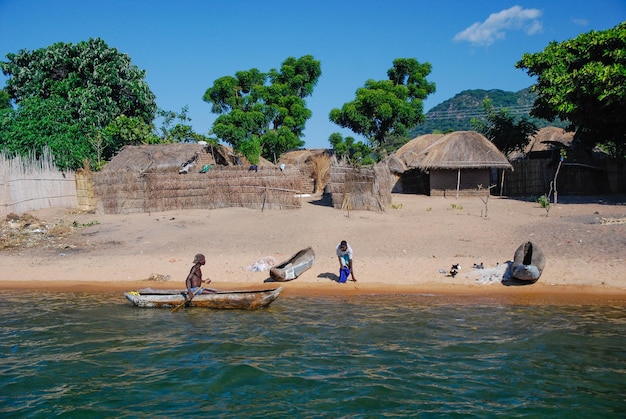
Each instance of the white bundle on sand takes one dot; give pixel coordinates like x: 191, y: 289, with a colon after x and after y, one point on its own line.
x: 491, y: 275
x: 263, y: 264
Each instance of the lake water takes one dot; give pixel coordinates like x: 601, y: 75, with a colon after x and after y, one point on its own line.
x: 96, y: 356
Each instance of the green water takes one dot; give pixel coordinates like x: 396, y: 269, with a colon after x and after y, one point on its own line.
x: 71, y: 355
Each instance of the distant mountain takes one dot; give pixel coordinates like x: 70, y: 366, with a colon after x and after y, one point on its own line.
x: 455, y: 114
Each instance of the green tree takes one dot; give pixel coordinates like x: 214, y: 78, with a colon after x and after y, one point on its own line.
x: 89, y: 81
x: 178, y: 132
x: 5, y: 100
x: 39, y: 123
x: 583, y: 81
x: 264, y: 112
x: 387, y: 108
x: 503, y: 130
x: 356, y: 152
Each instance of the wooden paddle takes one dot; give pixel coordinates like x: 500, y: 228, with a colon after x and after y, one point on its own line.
x: 175, y: 309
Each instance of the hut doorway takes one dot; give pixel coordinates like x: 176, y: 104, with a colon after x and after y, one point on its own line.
x: 416, y: 181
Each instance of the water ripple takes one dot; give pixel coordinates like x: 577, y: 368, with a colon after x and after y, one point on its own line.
x: 81, y: 355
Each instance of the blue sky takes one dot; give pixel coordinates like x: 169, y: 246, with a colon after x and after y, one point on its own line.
x: 184, y: 46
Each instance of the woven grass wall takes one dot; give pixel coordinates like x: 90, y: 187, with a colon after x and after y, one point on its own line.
x: 360, y: 189
x: 85, y: 194
x: 220, y: 187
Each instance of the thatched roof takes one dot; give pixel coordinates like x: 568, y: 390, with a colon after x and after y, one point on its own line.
x: 406, y: 157
x: 547, y: 138
x: 462, y: 150
x: 300, y: 157
x: 152, y: 157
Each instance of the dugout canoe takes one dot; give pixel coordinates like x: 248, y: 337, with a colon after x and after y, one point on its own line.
x: 294, y: 266
x: 210, y: 298
x: 528, y: 262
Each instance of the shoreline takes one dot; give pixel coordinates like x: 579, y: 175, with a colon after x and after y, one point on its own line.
x: 407, y: 250
x: 537, y: 293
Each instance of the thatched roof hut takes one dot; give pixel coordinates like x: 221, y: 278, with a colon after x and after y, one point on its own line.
x: 583, y: 171
x: 436, y: 164
x: 546, y: 143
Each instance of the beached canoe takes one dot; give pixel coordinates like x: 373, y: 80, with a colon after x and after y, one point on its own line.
x: 243, y: 300
x: 528, y: 262
x: 294, y: 266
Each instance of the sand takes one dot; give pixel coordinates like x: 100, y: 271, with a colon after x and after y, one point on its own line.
x: 403, y: 250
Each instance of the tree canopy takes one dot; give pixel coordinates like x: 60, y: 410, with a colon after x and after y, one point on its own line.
x: 388, y: 107
x: 264, y: 113
x: 356, y: 152
x: 503, y: 130
x: 583, y: 81
x: 66, y: 95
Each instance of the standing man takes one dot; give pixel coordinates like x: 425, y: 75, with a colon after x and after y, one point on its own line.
x: 344, y: 254
x: 194, y: 279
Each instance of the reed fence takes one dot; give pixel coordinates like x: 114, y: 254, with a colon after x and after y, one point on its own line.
x: 220, y: 187
x: 360, y: 188
x: 30, y: 183
x: 533, y: 177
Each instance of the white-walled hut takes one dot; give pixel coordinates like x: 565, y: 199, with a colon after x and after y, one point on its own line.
x: 457, y: 163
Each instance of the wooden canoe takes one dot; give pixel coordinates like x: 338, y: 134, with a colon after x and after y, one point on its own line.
x: 210, y: 298
x: 294, y: 266
x: 528, y: 262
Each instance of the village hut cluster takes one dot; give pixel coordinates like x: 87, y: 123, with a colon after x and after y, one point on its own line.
x: 466, y: 162
x: 162, y: 177
x: 149, y: 178
x: 173, y: 176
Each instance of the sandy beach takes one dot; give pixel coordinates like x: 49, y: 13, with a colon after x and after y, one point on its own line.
x: 407, y: 249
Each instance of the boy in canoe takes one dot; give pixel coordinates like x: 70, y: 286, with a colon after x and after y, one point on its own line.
x: 194, y: 279
x: 344, y: 254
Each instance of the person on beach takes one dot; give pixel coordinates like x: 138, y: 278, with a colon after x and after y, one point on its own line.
x: 194, y: 279
x: 344, y: 254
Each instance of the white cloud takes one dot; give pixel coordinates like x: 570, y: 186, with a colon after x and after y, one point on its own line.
x: 580, y: 22
x: 497, y: 24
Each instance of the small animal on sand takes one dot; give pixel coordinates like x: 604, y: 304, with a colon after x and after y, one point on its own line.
x: 455, y: 269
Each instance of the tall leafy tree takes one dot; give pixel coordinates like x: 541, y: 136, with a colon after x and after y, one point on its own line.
x: 356, y: 152
x: 5, y: 100
x: 583, y: 81
x: 40, y: 123
x: 503, y: 130
x: 91, y: 82
x: 388, y: 108
x: 264, y: 113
